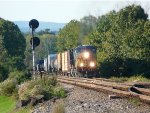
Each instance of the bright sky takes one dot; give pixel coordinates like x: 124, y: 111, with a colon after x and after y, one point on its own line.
x: 61, y: 10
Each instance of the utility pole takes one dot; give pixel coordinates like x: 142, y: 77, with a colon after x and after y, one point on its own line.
x: 33, y: 24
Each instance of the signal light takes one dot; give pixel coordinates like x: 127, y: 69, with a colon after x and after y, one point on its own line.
x: 34, y: 24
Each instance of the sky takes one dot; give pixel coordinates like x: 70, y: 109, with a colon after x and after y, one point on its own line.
x: 62, y: 11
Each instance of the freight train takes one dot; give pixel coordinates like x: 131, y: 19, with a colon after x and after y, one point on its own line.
x: 80, y: 61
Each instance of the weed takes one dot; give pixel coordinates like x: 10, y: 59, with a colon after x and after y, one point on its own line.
x: 134, y: 101
x: 59, y: 92
x: 59, y: 107
x: 8, y: 87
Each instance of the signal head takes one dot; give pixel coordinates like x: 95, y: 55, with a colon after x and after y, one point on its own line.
x: 33, y: 24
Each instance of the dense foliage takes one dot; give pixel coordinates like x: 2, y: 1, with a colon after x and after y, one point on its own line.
x: 122, y: 40
x: 12, y: 47
x: 8, y: 87
x: 76, y: 33
x: 68, y: 36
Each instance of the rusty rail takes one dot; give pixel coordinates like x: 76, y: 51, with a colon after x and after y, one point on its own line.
x: 120, y: 89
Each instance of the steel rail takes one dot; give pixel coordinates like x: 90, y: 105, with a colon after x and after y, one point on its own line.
x: 114, y: 85
x: 121, y: 90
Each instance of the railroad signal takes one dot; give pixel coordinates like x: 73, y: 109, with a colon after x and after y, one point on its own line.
x: 36, y: 41
x: 34, y: 24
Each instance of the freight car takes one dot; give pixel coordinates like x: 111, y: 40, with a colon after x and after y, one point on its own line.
x: 80, y: 61
x: 52, y: 62
x: 40, y: 66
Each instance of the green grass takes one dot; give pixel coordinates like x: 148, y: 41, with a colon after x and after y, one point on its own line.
x: 135, y: 78
x: 7, y: 104
x: 138, y: 78
x: 119, y: 79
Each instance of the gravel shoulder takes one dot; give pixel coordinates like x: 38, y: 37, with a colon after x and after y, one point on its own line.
x: 80, y: 100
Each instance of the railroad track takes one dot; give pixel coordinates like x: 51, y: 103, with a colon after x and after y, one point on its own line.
x: 140, y: 91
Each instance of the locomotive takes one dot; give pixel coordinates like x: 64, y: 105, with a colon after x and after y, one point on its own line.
x: 80, y: 61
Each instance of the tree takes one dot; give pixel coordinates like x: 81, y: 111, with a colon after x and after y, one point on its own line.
x: 87, y: 25
x: 2, y: 50
x: 12, y: 44
x: 14, y: 41
x: 68, y: 37
x: 47, y: 46
x: 122, y: 40
x: 3, y: 58
x: 46, y: 31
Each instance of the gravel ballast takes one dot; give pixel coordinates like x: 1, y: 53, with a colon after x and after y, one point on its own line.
x: 80, y: 100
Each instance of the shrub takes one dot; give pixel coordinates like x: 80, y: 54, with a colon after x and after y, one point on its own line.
x: 45, y: 86
x: 138, y: 78
x: 36, y: 87
x: 20, y: 76
x: 8, y: 87
x: 59, y: 92
x: 23, y: 91
x: 53, y: 81
x: 134, y: 78
x: 37, y: 90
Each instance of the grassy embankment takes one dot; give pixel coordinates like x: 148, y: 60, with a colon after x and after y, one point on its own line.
x: 7, y: 104
x: 41, y: 89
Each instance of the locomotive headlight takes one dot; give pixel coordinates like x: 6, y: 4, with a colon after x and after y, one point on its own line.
x: 81, y: 64
x: 86, y: 54
x: 92, y: 64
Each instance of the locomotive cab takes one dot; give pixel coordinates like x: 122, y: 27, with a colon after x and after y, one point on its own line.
x: 85, y: 59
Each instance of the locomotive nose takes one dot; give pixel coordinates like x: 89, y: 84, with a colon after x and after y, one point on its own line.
x: 86, y: 54
x: 92, y: 64
x: 81, y: 64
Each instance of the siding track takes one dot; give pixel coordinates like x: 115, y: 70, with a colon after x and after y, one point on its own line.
x: 140, y: 91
